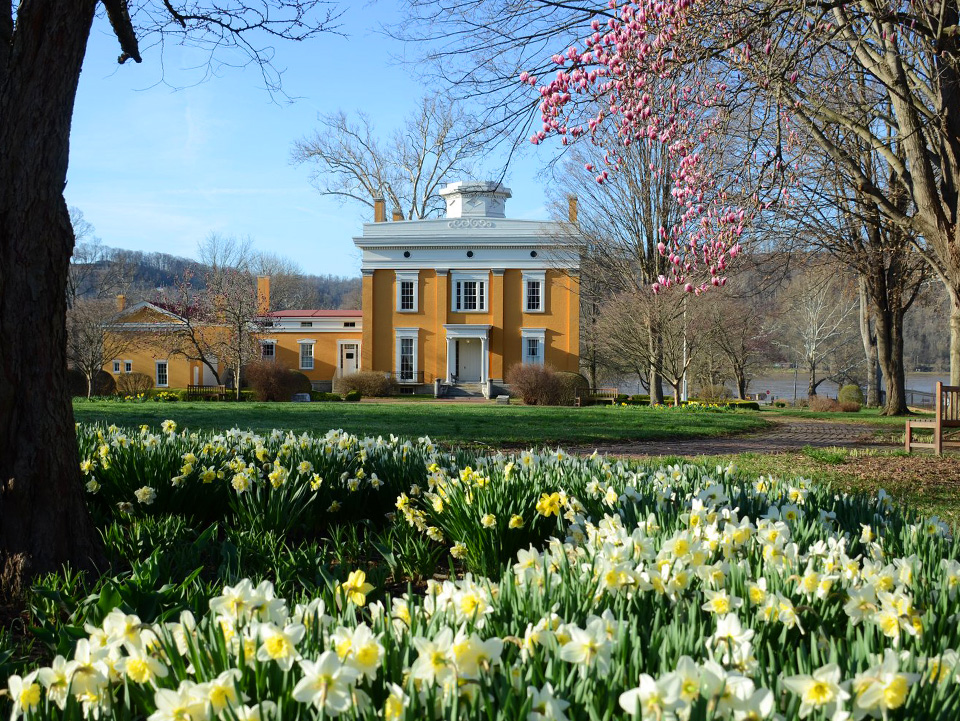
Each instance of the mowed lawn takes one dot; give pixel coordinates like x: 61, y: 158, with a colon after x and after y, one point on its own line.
x: 466, y: 423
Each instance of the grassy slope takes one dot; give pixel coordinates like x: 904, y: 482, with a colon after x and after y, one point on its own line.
x: 461, y: 423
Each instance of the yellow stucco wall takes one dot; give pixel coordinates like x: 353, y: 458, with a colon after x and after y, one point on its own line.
x: 505, y: 315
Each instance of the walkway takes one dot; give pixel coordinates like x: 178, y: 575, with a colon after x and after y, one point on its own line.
x: 787, y: 435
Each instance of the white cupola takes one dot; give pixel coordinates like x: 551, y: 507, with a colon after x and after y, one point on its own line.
x: 475, y: 199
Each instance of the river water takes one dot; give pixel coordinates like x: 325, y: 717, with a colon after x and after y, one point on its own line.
x: 780, y: 384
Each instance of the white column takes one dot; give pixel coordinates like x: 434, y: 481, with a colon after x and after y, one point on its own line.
x: 450, y: 356
x: 484, y: 359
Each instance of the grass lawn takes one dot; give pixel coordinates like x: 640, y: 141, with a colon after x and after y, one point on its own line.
x: 866, y: 416
x: 924, y: 481
x: 467, y: 423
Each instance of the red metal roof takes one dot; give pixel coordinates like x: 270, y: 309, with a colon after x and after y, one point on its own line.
x: 316, y: 314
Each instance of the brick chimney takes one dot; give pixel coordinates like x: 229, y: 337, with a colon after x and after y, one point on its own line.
x: 379, y: 210
x: 263, y: 294
x: 397, y: 215
x: 121, y: 302
x: 572, y: 209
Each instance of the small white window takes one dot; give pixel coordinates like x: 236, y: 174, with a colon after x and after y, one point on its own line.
x: 534, y: 343
x: 162, y: 374
x: 407, y: 291
x: 268, y: 351
x: 306, y: 356
x: 116, y: 366
x: 128, y: 366
x: 533, y: 287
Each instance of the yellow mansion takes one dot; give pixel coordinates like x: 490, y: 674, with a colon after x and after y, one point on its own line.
x: 450, y: 302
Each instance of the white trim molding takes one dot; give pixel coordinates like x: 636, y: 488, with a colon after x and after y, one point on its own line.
x: 408, y: 276
x: 456, y: 331
x: 539, y: 277
x: 402, y: 334
x: 483, y: 292
x: 166, y: 373
x: 303, y: 343
x: 532, y: 334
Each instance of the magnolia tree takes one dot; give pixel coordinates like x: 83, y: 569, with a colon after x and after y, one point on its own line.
x: 794, y: 66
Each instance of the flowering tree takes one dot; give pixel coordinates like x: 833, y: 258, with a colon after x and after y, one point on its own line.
x: 794, y: 65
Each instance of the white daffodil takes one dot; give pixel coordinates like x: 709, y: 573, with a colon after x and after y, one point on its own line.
x: 654, y: 700
x: 280, y: 644
x: 820, y: 690
x: 545, y: 706
x: 327, y: 684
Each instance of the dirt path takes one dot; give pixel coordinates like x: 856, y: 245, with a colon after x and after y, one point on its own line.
x: 787, y: 435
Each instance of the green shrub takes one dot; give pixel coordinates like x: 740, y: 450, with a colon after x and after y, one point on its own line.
x: 103, y: 383
x: 537, y: 385
x: 166, y: 396
x: 779, y: 404
x: 131, y: 384
x: 182, y: 394
x: 369, y: 383
x: 744, y: 405
x: 299, y: 383
x: 353, y: 396
x: 622, y: 398
x: 570, y: 383
x: 851, y: 393
x: 321, y: 397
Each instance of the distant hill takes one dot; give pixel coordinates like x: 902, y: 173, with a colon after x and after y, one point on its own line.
x: 98, y: 271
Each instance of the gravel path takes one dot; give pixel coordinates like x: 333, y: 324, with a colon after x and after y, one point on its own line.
x: 787, y: 435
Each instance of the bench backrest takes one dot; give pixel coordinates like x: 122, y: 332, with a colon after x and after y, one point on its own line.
x: 948, y: 405
x: 598, y: 392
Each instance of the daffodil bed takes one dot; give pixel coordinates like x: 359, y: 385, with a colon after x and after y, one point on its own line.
x: 586, y: 589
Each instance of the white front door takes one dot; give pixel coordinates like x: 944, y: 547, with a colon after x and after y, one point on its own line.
x: 349, y: 358
x: 468, y: 360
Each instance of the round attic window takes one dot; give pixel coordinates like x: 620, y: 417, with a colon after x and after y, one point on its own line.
x: 469, y: 253
x: 406, y: 254
x: 533, y: 254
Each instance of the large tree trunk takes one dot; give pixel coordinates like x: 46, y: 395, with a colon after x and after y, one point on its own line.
x: 741, y: 379
x: 43, y: 517
x: 889, y: 323
x: 954, y: 336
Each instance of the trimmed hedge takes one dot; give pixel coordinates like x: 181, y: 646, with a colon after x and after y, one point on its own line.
x: 353, y: 396
x: 321, y: 397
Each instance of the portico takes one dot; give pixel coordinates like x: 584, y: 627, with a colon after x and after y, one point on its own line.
x: 468, y: 353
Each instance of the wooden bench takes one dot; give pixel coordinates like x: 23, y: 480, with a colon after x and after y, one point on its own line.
x: 205, y: 393
x: 590, y: 396
x: 947, y: 415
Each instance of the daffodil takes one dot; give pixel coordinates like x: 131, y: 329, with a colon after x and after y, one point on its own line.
x: 355, y: 588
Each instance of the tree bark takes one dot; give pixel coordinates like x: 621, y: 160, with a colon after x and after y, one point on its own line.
x: 43, y: 517
x: 656, y: 378
x: 954, y: 335
x: 869, y: 339
x: 741, y: 379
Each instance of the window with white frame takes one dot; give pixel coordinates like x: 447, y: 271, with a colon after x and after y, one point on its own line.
x: 116, y: 366
x: 161, y: 378
x: 470, y: 292
x: 408, y: 291
x: 406, y: 359
x: 533, y: 340
x: 268, y: 351
x: 306, y: 356
x: 533, y: 291
x: 128, y: 366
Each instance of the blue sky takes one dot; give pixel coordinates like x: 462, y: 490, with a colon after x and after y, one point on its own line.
x: 158, y: 169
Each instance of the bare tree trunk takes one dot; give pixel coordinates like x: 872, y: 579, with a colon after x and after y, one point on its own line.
x: 89, y: 386
x: 954, y: 335
x: 890, y: 354
x: 813, y: 382
x: 656, y: 378
x: 43, y: 517
x: 869, y: 346
x: 741, y: 379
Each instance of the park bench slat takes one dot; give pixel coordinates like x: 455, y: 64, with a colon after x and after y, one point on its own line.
x: 946, y: 415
